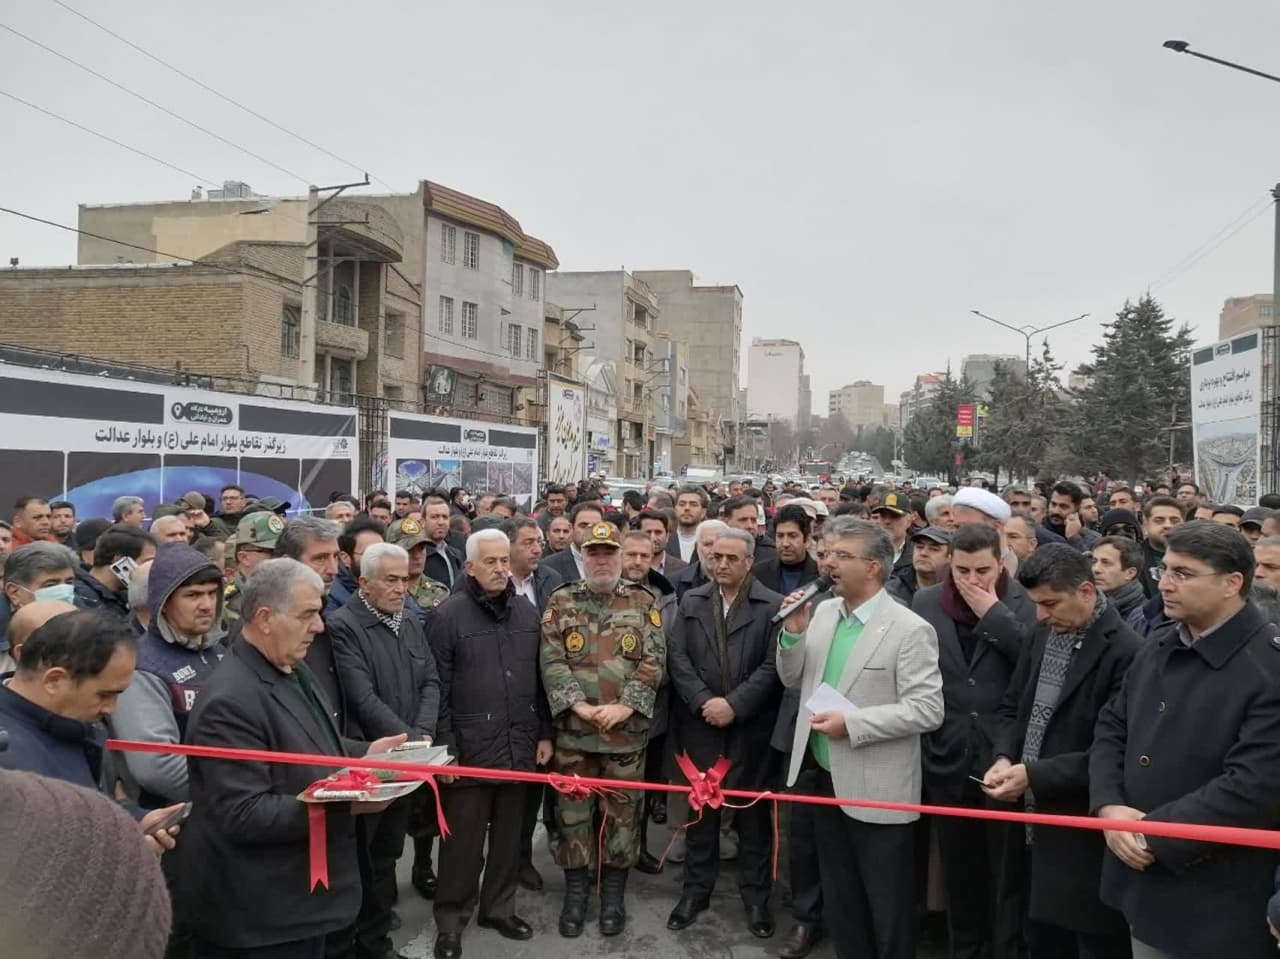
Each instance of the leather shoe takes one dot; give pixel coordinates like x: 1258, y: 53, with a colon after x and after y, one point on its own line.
x: 508, y: 927
x: 648, y: 864
x: 686, y: 912
x: 424, y: 881
x: 449, y: 945
x: 800, y: 941
x: 658, y: 811
x: 530, y: 878
x: 760, y: 921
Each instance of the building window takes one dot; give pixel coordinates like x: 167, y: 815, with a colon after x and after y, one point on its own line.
x: 448, y: 243
x: 513, y: 340
x: 446, y: 315
x: 290, y: 332
x: 340, y: 380
x: 470, y: 321
x: 532, y: 350
x: 342, y: 311
x: 517, y: 279
x: 535, y: 284
x: 471, y: 250
x: 393, y: 334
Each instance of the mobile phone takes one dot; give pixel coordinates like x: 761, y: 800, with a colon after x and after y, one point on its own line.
x: 123, y: 569
x: 175, y: 818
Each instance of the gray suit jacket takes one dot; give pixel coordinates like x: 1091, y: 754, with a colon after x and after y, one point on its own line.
x: 893, y: 681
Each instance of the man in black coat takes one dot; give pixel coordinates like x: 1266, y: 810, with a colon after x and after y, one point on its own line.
x: 720, y: 654
x: 1045, y: 726
x: 1193, y: 736
x: 792, y: 567
x: 896, y: 514
x: 392, y: 687
x: 568, y: 562
x: 983, y: 620
x: 444, y: 562
x: 493, y: 714
x: 696, y: 573
x: 244, y: 856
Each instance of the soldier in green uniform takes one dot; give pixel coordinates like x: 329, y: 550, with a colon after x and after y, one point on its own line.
x: 255, y: 542
x: 409, y: 535
x: 603, y: 655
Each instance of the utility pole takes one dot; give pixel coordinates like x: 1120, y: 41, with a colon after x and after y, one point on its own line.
x: 311, y: 284
x: 1027, y: 331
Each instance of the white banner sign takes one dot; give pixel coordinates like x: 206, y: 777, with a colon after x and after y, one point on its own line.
x: 90, y: 439
x: 434, y: 452
x: 566, y: 431
x: 1226, y: 418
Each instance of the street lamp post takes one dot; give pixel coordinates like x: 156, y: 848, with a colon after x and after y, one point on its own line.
x: 1027, y: 331
x: 1181, y: 46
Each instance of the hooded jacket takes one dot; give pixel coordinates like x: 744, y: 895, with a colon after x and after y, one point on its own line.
x: 169, y: 673
x: 91, y: 594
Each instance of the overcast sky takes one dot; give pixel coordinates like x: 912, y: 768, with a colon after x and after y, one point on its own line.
x: 866, y: 172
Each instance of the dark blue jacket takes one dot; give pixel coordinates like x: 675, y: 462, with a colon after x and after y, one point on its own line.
x: 46, y: 743
x: 343, y: 588
x: 90, y: 594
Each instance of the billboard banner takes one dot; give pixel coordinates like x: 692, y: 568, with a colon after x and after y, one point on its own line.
x: 1226, y: 418
x: 435, y: 452
x: 566, y: 431
x: 90, y: 439
x: 964, y: 420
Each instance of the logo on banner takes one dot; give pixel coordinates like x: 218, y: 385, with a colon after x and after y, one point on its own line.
x: 208, y: 414
x: 475, y: 436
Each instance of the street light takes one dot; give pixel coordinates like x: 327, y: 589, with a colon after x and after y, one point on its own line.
x: 1181, y: 46
x: 1027, y: 331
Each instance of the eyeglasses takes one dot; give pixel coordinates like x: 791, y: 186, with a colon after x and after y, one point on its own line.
x: 1180, y: 575
x: 727, y: 558
x: 841, y: 556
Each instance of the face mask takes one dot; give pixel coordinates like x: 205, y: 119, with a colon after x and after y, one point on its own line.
x: 61, y: 592
x: 607, y: 499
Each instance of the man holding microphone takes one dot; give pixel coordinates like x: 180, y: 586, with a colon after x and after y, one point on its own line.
x: 867, y: 668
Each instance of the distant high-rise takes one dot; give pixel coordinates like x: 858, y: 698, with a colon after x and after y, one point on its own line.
x: 927, y: 384
x: 775, y: 378
x: 860, y: 403
x: 1242, y: 313
x: 980, y: 369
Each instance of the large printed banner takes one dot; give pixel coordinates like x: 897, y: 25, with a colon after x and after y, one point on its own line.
x: 566, y: 431
x: 434, y: 452
x: 90, y: 439
x: 1226, y: 418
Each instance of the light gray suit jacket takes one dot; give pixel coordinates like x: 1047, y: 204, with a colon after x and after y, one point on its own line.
x: 893, y: 681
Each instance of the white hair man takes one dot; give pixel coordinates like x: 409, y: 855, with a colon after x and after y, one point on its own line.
x: 937, y: 511
x: 696, y: 573
x: 389, y: 676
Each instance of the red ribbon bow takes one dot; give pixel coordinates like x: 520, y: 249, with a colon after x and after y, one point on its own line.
x: 704, y: 788
x: 318, y: 836
x: 571, y: 787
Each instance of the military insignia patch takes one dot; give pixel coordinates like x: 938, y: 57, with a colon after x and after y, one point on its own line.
x: 655, y: 617
x: 602, y: 531
x: 410, y: 527
x: 575, y: 642
x: 546, y: 617
x: 630, y: 642
x: 275, y: 524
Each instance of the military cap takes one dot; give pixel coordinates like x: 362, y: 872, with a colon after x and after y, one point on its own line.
x: 603, y: 534
x: 259, y: 530
x: 407, y: 533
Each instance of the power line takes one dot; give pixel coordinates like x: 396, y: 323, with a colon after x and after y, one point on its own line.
x: 217, y: 93
x: 103, y: 136
x: 147, y: 100
x: 1251, y: 213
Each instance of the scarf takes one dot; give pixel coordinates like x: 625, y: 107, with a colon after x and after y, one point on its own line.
x: 391, y: 622
x: 956, y: 608
x: 497, y: 606
x: 1128, y: 597
x: 723, y: 620
x: 1058, y: 650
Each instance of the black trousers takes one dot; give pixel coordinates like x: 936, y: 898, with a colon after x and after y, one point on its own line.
x: 868, y: 882
x: 802, y: 855
x: 383, y: 844
x: 983, y: 869
x: 489, y: 810
x: 1047, y: 941
x: 529, y: 817
x: 755, y: 846
x: 302, y: 949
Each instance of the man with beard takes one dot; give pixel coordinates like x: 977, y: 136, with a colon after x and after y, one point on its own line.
x: 1117, y: 571
x: 1021, y: 535
x: 793, y: 567
x: 559, y: 533
x: 691, y: 510
x: 930, y: 558
x: 721, y: 659
x: 698, y: 573
x: 1160, y: 514
x: 1063, y: 516
x: 983, y: 619
x: 570, y: 563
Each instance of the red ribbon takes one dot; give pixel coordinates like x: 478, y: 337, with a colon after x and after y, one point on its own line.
x: 317, y: 832
x: 704, y: 788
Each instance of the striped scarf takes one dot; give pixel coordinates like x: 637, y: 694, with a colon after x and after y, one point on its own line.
x: 391, y: 622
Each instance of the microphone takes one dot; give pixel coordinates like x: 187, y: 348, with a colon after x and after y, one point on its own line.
x: 819, y: 585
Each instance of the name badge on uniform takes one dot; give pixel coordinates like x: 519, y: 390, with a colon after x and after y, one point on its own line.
x: 575, y: 642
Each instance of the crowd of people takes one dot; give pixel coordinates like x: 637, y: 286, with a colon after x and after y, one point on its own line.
x: 1075, y: 647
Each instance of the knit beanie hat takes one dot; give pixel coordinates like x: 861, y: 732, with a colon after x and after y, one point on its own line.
x: 76, y: 877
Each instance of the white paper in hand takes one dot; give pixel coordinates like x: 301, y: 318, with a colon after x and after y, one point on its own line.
x: 826, y: 699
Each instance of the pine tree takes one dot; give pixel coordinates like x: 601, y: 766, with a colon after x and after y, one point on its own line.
x: 1024, y: 417
x: 1138, y: 383
x: 929, y: 440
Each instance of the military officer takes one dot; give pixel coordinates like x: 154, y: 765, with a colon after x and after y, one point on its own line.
x: 255, y: 542
x: 603, y: 656
x: 409, y: 535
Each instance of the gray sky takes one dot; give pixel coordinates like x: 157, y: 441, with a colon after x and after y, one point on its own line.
x: 866, y: 172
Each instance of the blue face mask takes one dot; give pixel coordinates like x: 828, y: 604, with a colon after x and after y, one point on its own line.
x: 61, y: 592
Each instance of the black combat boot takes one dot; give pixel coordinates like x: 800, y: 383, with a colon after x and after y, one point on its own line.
x: 613, y: 911
x: 574, y: 914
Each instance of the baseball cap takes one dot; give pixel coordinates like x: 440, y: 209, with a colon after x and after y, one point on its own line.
x: 406, y: 533
x: 603, y: 534
x: 260, y: 530
x: 1256, y: 516
x: 193, y: 500
x: 935, y: 533
x: 899, y: 504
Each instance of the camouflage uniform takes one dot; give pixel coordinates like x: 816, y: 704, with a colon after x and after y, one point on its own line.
x: 259, y: 531
x: 429, y: 593
x: 601, y: 650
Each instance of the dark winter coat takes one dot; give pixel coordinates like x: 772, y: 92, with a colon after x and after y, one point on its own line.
x: 492, y: 707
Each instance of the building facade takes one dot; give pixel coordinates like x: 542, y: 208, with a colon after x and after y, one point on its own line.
x: 926, y: 385
x: 1241, y: 313
x: 775, y: 371
x: 980, y: 369
x: 861, y: 403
